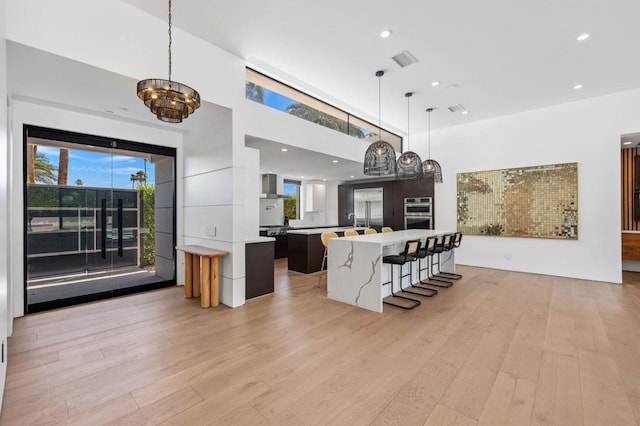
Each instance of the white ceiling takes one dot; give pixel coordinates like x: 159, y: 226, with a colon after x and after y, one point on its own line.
x: 505, y: 56
x: 298, y: 163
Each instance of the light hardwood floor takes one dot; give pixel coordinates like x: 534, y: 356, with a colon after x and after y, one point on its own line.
x: 498, y: 348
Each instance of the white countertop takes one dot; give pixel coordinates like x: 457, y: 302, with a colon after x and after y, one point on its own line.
x: 313, y: 231
x: 388, y: 238
x: 259, y: 240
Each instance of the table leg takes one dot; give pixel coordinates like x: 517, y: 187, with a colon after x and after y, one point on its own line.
x: 188, y: 276
x: 205, y: 300
x: 196, y: 275
x: 215, y: 282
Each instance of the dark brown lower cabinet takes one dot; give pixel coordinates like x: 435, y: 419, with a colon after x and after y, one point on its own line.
x: 258, y: 268
x: 305, y: 253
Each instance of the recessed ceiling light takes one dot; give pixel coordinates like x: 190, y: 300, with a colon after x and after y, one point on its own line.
x: 627, y: 143
x: 324, y: 180
x: 435, y: 83
x: 465, y: 112
x: 385, y: 33
x: 109, y: 111
x: 583, y: 37
x: 577, y: 87
x: 123, y: 109
x: 302, y: 177
x: 335, y: 161
x: 452, y: 86
x: 352, y: 177
x: 284, y: 149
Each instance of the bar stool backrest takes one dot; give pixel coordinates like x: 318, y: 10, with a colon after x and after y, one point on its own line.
x: 411, y: 249
x: 431, y: 244
x: 447, y: 241
x: 370, y: 231
x: 457, y: 239
x: 387, y: 229
x: 325, y: 236
x: 351, y: 233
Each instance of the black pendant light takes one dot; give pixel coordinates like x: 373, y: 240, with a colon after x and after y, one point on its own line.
x: 431, y: 167
x: 380, y: 158
x: 169, y: 100
x: 409, y: 165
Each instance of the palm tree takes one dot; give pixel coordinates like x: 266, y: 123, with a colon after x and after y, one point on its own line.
x: 63, y: 166
x: 43, y: 170
x: 140, y: 176
x: 254, y: 92
x: 322, y: 118
x: 32, y: 150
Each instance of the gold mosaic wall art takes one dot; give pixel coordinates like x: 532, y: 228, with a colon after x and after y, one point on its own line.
x: 529, y: 202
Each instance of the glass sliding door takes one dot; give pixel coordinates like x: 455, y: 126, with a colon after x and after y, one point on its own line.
x: 93, y: 228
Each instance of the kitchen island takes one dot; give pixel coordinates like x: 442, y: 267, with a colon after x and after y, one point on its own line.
x: 356, y: 272
x: 306, y: 250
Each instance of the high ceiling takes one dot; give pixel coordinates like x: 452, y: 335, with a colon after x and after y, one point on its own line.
x: 494, y: 57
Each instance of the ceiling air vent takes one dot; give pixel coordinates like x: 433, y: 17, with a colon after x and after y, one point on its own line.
x: 457, y: 108
x: 404, y: 59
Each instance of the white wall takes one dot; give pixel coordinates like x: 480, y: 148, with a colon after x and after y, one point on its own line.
x: 210, y: 187
x: 46, y: 116
x: 5, y: 316
x: 268, y: 123
x: 587, y: 132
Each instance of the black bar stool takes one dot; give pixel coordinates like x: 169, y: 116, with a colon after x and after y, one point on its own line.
x: 457, y: 240
x: 418, y: 288
x: 448, y: 244
x: 424, y: 258
x: 435, y: 279
x: 408, y: 255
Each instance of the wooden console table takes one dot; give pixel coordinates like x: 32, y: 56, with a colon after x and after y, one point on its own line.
x: 193, y: 256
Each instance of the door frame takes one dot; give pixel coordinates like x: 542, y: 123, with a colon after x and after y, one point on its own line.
x: 28, y: 131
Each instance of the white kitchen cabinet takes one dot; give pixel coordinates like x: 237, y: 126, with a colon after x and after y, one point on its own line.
x: 315, y: 197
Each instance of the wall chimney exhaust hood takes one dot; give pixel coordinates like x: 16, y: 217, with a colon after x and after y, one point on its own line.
x: 270, y: 187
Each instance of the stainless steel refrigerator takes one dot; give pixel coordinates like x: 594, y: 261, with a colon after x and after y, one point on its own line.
x: 367, y: 204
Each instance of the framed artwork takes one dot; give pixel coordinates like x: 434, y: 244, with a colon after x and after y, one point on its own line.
x: 529, y: 202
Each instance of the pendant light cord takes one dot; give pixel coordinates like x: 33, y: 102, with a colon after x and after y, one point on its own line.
x: 408, y: 95
x: 170, y: 40
x: 429, y: 127
x: 380, y: 105
x: 379, y: 74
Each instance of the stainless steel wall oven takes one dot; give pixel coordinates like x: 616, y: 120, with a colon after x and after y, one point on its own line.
x: 418, y: 213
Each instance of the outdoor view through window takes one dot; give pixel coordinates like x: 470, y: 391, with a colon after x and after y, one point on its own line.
x: 91, y: 217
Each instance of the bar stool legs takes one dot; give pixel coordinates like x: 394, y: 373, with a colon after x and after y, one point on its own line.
x: 433, y: 278
x: 412, y: 302
x: 416, y: 289
x: 324, y: 263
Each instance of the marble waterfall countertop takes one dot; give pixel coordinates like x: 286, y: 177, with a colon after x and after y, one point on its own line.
x: 355, y: 270
x: 313, y: 231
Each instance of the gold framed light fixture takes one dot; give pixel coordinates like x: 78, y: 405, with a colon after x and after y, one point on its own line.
x: 169, y: 100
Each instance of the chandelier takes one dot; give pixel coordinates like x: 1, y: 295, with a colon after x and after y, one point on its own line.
x: 409, y: 164
x: 380, y: 157
x: 431, y: 167
x: 169, y: 100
